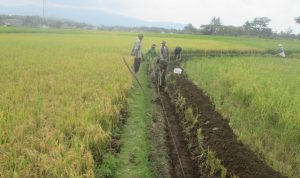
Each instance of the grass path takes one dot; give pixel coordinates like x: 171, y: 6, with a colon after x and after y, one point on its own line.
x: 133, y: 159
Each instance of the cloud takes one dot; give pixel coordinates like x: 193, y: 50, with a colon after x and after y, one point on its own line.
x: 18, y: 2
x: 197, y: 12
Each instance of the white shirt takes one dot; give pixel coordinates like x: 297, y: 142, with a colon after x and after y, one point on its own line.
x: 138, y: 48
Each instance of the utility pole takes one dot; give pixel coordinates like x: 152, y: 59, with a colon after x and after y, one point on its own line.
x: 44, y: 4
x: 44, y: 10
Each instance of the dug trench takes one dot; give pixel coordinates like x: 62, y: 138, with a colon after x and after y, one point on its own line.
x: 207, y: 146
x: 182, y: 162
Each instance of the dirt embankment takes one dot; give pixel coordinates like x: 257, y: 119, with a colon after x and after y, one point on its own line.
x: 218, y: 137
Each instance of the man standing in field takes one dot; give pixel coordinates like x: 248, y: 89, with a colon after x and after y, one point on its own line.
x: 164, y: 52
x: 151, y: 54
x: 177, y: 53
x: 163, y: 62
x: 151, y: 57
x: 137, y: 53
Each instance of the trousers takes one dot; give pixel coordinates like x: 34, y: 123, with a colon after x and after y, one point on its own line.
x: 136, y: 65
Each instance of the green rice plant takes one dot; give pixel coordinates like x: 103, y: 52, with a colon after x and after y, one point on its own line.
x: 215, y: 165
x: 200, y: 139
x: 189, y: 121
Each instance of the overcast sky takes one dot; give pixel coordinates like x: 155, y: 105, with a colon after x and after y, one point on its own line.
x: 197, y: 12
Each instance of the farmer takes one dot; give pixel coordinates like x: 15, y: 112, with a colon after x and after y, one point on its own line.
x: 281, y: 51
x: 151, y: 54
x: 177, y: 53
x: 137, y: 53
x: 164, y: 51
x: 163, y: 62
x: 151, y: 58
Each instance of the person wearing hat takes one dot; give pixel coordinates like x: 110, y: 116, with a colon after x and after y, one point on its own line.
x: 281, y: 50
x: 164, y: 51
x: 151, y: 54
x: 137, y: 53
x: 150, y: 58
x: 163, y: 62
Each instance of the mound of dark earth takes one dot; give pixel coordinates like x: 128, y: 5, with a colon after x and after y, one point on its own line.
x: 237, y: 158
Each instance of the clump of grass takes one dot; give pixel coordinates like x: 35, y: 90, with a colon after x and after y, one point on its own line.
x: 215, y: 165
x: 189, y: 121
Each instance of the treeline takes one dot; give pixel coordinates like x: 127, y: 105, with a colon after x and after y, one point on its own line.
x: 36, y: 21
x: 257, y: 27
x: 140, y: 29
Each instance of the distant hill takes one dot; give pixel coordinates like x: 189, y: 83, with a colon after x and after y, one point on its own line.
x: 97, y: 18
x: 39, y: 22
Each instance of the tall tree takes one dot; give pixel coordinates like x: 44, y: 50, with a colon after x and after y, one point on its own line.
x: 216, y: 24
x: 189, y: 28
x: 213, y: 27
x: 297, y: 20
x: 258, y: 26
x: 261, y: 22
x: 216, y: 21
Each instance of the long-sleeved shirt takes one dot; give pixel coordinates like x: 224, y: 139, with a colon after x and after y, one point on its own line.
x: 151, y: 54
x: 164, y: 53
x: 138, y: 48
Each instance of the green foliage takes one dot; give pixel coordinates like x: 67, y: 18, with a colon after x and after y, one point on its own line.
x: 200, y: 139
x: 215, y: 165
x: 108, y: 168
x: 258, y: 27
x: 261, y: 98
x: 189, y: 121
x: 190, y: 29
x: 297, y: 20
x: 180, y: 103
x: 133, y: 160
x: 36, y: 21
x: 213, y: 28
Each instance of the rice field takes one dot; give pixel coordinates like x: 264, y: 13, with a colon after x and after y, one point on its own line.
x: 60, y: 97
x: 61, y: 92
x: 260, y: 96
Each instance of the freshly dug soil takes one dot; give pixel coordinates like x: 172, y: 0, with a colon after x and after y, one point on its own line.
x: 183, y: 163
x: 237, y: 158
x: 175, y: 139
